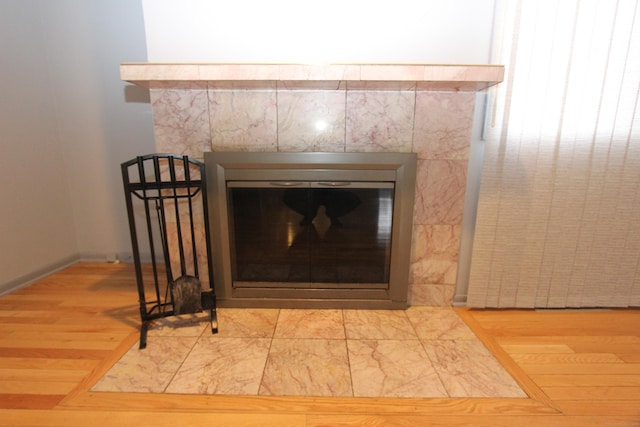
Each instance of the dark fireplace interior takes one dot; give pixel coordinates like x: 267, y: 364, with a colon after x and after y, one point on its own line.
x: 335, y: 235
x: 311, y: 229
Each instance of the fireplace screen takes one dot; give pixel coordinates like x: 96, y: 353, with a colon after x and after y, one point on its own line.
x: 301, y: 234
x: 326, y: 230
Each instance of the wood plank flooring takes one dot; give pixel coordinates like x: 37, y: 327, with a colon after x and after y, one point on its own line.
x: 59, y: 335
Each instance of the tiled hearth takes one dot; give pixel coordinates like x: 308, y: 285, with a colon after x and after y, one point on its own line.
x: 418, y: 352
x: 426, y: 109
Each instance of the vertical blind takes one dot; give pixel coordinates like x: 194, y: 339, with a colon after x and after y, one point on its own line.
x: 558, y: 221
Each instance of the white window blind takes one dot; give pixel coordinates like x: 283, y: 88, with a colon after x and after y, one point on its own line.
x: 558, y: 221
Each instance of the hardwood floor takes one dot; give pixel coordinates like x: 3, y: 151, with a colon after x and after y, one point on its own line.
x: 59, y: 335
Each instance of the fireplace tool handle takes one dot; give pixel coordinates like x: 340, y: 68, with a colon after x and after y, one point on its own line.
x: 335, y: 184
x: 286, y: 183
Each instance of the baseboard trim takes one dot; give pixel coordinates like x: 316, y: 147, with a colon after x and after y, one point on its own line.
x: 459, y: 301
x: 27, y: 279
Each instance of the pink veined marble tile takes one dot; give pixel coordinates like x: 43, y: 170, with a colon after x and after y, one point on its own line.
x: 376, y: 72
x: 438, y: 323
x: 434, y: 270
x: 181, y: 121
x: 392, y: 368
x: 379, y: 121
x: 392, y: 72
x: 464, y: 73
x: 378, y: 324
x: 148, y: 370
x: 311, y: 85
x: 301, y: 323
x: 443, y: 125
x: 318, y: 72
x: 307, y: 367
x: 242, y: 85
x: 381, y: 85
x: 457, y: 73
x: 247, y: 322
x: 222, y: 366
x: 184, y: 325
x: 177, y: 84
x: 447, y: 359
x: 434, y: 253
x: 467, y: 369
x: 311, y: 120
x: 431, y: 295
x: 187, y: 249
x: 440, y: 191
x: 159, y: 72
x: 453, y: 86
x: 243, y: 120
x: 239, y: 71
x: 182, y: 208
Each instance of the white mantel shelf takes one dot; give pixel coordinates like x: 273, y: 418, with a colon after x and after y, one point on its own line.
x: 310, y: 76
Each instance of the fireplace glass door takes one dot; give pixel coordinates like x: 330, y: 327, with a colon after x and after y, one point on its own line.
x: 310, y: 234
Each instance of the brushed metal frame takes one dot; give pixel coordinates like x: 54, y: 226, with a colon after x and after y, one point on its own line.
x: 399, y: 168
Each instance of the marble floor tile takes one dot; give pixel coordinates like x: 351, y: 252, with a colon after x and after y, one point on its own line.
x: 418, y: 352
x: 310, y: 324
x: 378, y: 324
x: 148, y: 370
x: 222, y: 366
x: 392, y: 368
x: 247, y: 322
x: 468, y: 369
x: 434, y: 323
x: 184, y: 325
x: 307, y: 367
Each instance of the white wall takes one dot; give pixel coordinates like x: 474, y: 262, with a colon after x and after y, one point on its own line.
x: 398, y: 31
x: 36, y: 225
x: 98, y: 127
x: 66, y: 123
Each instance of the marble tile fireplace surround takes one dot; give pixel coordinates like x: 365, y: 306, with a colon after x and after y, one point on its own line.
x: 425, y: 109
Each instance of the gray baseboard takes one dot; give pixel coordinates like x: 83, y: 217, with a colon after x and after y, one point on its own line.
x: 27, y: 279
x: 459, y: 301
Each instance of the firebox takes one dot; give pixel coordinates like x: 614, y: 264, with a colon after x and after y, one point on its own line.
x: 324, y: 230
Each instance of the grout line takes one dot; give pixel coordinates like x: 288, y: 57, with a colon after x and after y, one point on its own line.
x: 266, y: 360
x: 346, y: 345
x: 423, y: 345
x: 197, y: 340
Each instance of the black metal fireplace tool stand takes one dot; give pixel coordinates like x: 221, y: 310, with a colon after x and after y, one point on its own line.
x: 166, y: 195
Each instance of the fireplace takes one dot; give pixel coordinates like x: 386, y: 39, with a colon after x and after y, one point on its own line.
x: 311, y: 229
x: 384, y: 108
